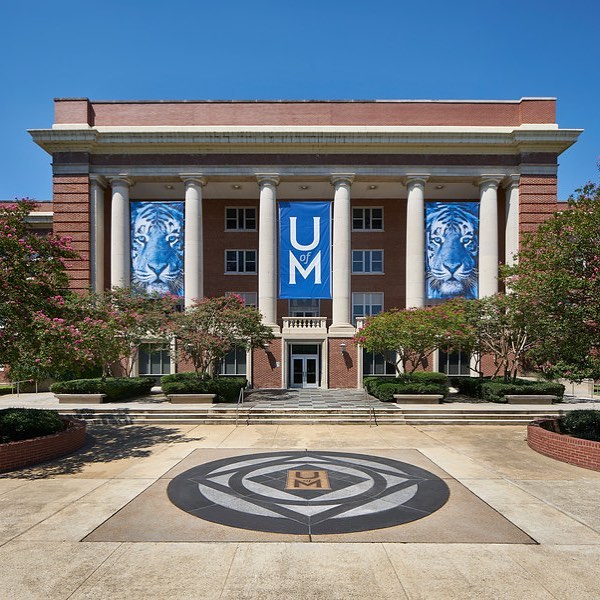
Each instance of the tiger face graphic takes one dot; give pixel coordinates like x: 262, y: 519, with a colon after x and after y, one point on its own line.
x: 157, y: 247
x: 452, y: 250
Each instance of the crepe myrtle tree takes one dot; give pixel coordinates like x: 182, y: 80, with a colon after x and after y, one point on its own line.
x: 414, y: 334
x: 212, y: 327
x: 557, y: 281
x: 97, y: 330
x: 32, y: 275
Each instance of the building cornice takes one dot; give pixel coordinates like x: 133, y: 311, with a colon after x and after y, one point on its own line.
x: 301, y: 139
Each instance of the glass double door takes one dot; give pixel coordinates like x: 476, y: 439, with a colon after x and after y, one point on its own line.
x: 305, y: 371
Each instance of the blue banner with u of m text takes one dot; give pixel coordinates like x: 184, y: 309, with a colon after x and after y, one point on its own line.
x: 305, y: 250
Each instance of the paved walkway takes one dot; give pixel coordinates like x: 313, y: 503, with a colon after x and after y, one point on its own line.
x: 116, y: 486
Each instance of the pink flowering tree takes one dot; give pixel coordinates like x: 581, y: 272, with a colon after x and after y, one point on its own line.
x: 557, y: 283
x: 209, y: 329
x: 414, y: 334
x: 33, y: 278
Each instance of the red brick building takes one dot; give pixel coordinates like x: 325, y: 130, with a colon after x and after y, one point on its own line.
x: 384, y: 166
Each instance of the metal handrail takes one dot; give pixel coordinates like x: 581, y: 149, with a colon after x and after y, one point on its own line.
x: 13, y: 383
x: 240, y: 401
x: 373, y: 417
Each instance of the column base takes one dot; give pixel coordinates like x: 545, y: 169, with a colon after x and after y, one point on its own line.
x: 342, y: 329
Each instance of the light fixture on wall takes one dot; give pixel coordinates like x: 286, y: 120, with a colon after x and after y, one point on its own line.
x: 303, y: 187
x: 266, y: 347
x: 372, y: 187
x: 343, y: 347
x: 169, y: 186
x: 440, y: 187
x: 237, y: 186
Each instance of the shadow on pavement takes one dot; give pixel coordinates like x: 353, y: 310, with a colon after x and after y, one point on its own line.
x: 104, y: 444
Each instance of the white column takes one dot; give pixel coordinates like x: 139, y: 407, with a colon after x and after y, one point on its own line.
x: 511, y: 233
x: 415, y: 241
x: 97, y: 232
x: 488, y: 236
x: 120, y: 263
x: 193, y: 256
x: 267, y: 248
x: 342, y: 256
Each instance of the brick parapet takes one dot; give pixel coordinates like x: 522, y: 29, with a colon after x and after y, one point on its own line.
x: 575, y: 451
x: 537, y: 201
x: 23, y: 453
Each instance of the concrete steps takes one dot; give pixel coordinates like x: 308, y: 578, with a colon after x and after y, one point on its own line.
x: 250, y: 415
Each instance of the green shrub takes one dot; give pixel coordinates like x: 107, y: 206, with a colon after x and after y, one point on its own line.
x: 25, y: 423
x: 470, y: 386
x: 373, y: 382
x: 227, y: 389
x: 583, y: 424
x: 426, y: 377
x: 423, y: 377
x: 115, y: 388
x: 495, y: 390
x: 385, y: 392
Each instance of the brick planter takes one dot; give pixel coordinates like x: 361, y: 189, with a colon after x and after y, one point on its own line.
x: 23, y: 453
x: 575, y: 451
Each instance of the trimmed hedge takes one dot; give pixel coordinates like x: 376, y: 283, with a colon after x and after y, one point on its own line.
x: 26, y: 423
x: 227, y: 389
x: 584, y: 424
x: 470, y: 386
x: 115, y: 388
x: 494, y: 391
x: 385, y: 392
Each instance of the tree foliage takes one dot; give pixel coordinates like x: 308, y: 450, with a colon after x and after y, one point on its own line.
x: 33, y: 278
x: 557, y: 281
x: 209, y: 329
x: 414, y: 334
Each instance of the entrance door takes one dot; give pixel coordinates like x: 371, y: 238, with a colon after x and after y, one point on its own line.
x: 304, y: 366
x: 305, y: 371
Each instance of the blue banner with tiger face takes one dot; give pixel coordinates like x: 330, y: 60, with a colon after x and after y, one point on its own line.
x: 305, y: 249
x: 452, y: 249
x: 157, y: 247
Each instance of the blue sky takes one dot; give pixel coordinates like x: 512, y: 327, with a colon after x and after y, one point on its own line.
x: 273, y: 49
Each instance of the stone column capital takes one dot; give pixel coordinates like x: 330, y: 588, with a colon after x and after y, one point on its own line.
x: 120, y: 180
x: 511, y: 181
x: 490, y: 181
x: 196, y: 178
x: 342, y: 179
x: 267, y: 179
x: 416, y: 179
x: 99, y: 180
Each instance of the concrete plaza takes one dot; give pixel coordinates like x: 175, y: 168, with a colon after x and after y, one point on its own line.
x: 547, y: 512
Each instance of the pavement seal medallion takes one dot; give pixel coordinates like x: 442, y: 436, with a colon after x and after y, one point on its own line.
x: 308, y: 492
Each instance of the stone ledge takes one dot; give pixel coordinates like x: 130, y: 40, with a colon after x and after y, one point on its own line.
x: 191, y: 398
x: 80, y: 398
x: 530, y: 399
x: 418, y: 398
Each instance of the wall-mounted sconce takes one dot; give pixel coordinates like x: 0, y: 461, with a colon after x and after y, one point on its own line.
x: 343, y: 347
x: 236, y: 186
x: 266, y: 347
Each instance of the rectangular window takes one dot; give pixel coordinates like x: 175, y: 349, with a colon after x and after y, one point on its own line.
x: 305, y: 307
x: 454, y: 363
x: 240, y: 261
x: 240, y: 219
x: 376, y: 364
x: 367, y: 219
x: 249, y: 298
x: 154, y: 359
x: 234, y: 363
x: 366, y: 304
x: 367, y: 261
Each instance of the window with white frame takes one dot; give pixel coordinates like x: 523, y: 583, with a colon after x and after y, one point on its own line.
x: 367, y: 261
x: 154, y: 359
x: 249, y: 298
x: 240, y: 219
x: 234, y: 362
x: 240, y: 261
x: 454, y: 363
x: 375, y: 363
x: 305, y: 307
x: 366, y: 304
x: 367, y: 219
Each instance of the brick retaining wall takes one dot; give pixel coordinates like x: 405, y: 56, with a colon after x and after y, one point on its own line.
x: 23, y: 453
x: 575, y: 451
